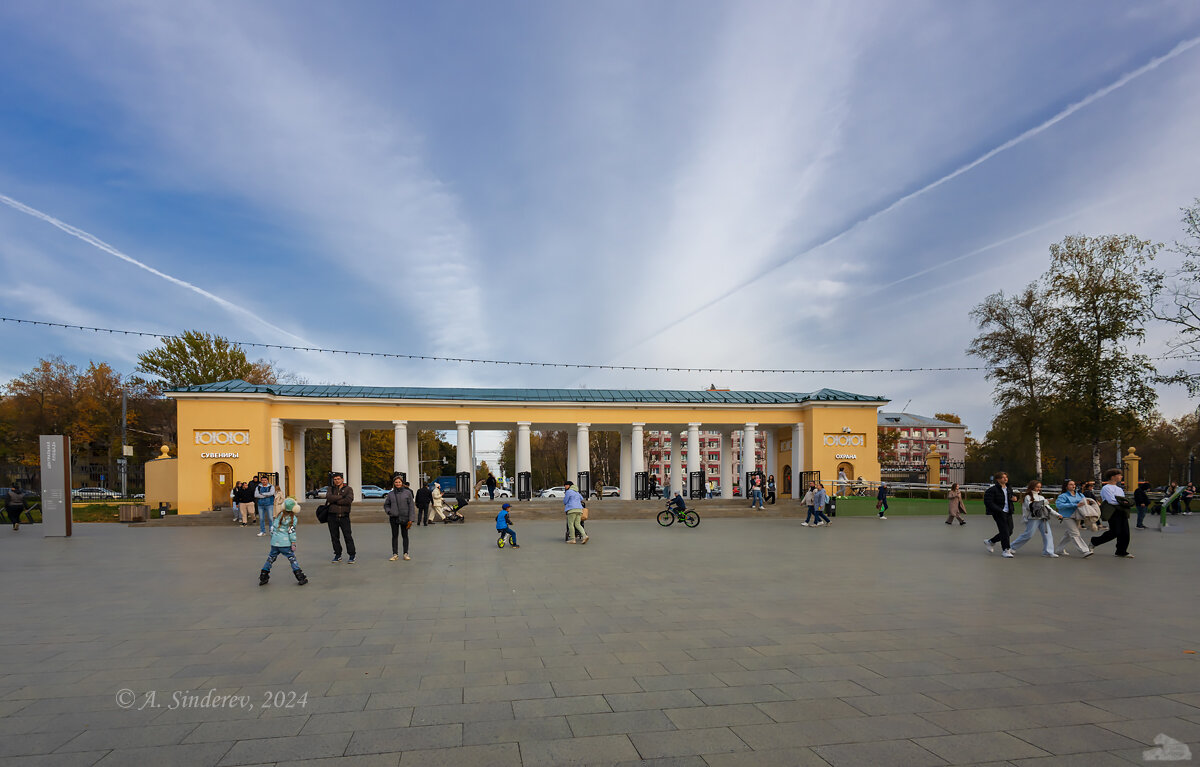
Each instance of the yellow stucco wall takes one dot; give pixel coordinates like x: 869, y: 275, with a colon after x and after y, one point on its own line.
x: 248, y: 419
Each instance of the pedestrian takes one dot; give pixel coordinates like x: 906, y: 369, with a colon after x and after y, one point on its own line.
x: 424, y: 500
x: 1188, y: 494
x: 233, y: 502
x: 1142, y: 501
x: 881, y: 504
x: 439, y: 503
x: 264, y: 497
x: 1089, y: 490
x: 807, y: 501
x: 820, y: 498
x: 842, y: 482
x: 756, y: 500
x: 339, y: 498
x: 1173, y: 496
x: 771, y: 489
x: 998, y: 500
x: 283, y: 541
x: 14, y: 504
x: 1114, y: 502
x: 712, y: 487
x: 653, y: 486
x: 1067, y: 504
x: 491, y: 486
x: 957, y: 507
x: 504, y: 525
x: 1036, y: 513
x: 573, y: 506
x: 401, y: 509
x: 248, y: 494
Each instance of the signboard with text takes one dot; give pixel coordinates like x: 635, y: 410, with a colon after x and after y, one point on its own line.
x: 56, y: 485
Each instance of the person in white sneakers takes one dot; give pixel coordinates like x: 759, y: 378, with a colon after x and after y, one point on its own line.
x: 1036, y: 512
x: 999, y: 501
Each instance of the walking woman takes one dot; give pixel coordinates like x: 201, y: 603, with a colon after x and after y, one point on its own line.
x: 807, y: 500
x: 1066, y: 503
x: 1036, y: 512
x: 957, y: 508
x: 820, y: 501
x: 771, y: 489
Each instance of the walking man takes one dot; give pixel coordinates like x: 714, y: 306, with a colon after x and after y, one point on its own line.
x: 491, y: 486
x: 998, y: 500
x: 424, y: 500
x: 881, y: 505
x: 1114, y: 502
x: 573, y: 506
x: 338, y: 498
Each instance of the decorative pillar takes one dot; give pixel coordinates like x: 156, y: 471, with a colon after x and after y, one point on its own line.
x: 400, y: 438
x: 676, y: 461
x: 414, y: 459
x: 462, y: 460
x: 772, y: 465
x: 797, y: 459
x: 638, y: 449
x: 572, y: 454
x: 726, y: 463
x: 277, y: 463
x: 300, y: 480
x: 337, y: 441
x: 695, y: 459
x: 524, y: 459
x: 354, y: 461
x: 933, y: 463
x: 1130, y: 469
x: 626, y: 480
x: 582, y: 449
x: 474, y: 463
x: 749, y: 443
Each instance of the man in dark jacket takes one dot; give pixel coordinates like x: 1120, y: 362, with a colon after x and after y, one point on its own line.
x: 1142, y: 501
x: 338, y: 498
x: 881, y: 500
x: 999, y: 500
x: 398, y: 504
x: 491, y: 486
x: 424, y: 500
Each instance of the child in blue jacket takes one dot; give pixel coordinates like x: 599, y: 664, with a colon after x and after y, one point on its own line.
x: 283, y: 541
x: 504, y: 525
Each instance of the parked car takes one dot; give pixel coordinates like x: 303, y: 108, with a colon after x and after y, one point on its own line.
x: 608, y: 491
x: 318, y: 493
x: 500, y: 492
x: 93, y: 494
x: 553, y: 492
x: 371, y: 491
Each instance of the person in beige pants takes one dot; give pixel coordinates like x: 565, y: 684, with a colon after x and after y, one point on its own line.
x: 1066, y: 503
x: 957, y: 508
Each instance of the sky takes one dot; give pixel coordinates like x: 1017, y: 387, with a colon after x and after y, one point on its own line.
x: 681, y: 184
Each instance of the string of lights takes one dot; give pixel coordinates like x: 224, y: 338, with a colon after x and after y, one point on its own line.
x: 521, y: 363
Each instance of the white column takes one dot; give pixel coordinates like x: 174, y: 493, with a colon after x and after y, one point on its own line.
x: 474, y: 462
x: 462, y: 461
x: 583, y: 448
x: 524, y: 461
x: 676, y: 462
x: 771, y: 463
x: 797, y: 459
x: 337, y: 441
x: 749, y: 461
x: 277, y: 448
x: 626, y: 481
x: 695, y: 460
x: 726, y: 464
x: 299, y: 480
x: 414, y: 459
x: 354, y: 460
x: 572, y: 454
x: 400, y: 439
x: 638, y: 449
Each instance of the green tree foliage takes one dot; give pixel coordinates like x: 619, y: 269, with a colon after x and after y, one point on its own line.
x: 1013, y: 333
x: 1180, y: 300
x: 199, y: 358
x: 887, y: 444
x: 1098, y: 289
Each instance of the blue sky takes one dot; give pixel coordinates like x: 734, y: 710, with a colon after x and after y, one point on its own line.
x: 717, y: 184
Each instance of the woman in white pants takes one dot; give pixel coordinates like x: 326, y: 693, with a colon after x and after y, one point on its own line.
x: 438, y: 505
x: 1036, y: 511
x: 1067, y: 502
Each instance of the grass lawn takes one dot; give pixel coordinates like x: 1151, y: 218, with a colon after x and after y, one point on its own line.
x: 852, y: 506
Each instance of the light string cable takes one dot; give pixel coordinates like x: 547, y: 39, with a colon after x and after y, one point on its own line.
x: 525, y: 363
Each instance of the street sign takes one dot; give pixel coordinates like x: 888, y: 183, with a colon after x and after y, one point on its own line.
x: 56, y: 482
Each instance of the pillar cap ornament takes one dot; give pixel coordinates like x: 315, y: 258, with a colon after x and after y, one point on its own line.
x: 399, y: 423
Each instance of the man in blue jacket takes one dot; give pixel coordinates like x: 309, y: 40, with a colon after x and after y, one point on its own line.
x: 573, y: 506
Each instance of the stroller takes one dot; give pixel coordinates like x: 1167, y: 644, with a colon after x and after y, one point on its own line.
x: 450, y: 515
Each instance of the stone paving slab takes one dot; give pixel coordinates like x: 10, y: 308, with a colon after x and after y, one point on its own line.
x: 742, y: 642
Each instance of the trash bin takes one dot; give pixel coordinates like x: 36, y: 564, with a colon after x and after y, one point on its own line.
x: 696, y: 485
x: 524, y: 486
x: 462, y: 484
x: 584, y: 484
x: 641, y: 486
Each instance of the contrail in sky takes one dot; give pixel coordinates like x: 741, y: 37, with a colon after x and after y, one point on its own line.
x: 102, y: 245
x: 1149, y: 66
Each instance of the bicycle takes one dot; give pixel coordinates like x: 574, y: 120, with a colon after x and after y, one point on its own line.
x: 669, y: 515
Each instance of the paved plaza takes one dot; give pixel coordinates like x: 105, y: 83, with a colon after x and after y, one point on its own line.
x: 742, y: 642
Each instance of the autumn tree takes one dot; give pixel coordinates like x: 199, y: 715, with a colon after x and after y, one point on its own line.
x: 198, y: 358
x: 1012, y: 340
x: 1179, y: 304
x: 1097, y: 287
x: 888, y: 438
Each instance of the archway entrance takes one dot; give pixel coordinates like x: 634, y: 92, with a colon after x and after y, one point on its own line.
x: 222, y: 483
x: 787, y: 480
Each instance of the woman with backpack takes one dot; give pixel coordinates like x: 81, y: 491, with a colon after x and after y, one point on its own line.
x: 1036, y: 511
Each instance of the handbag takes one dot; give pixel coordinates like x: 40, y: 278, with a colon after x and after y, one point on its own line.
x: 1037, y: 510
x: 323, y: 513
x: 583, y: 514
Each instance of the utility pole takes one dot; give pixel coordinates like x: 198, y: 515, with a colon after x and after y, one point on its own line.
x: 123, y: 462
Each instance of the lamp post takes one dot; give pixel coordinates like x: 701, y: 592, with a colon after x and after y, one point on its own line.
x: 443, y: 460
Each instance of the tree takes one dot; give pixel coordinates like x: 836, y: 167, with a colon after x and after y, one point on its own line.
x: 1012, y: 337
x: 199, y: 358
x: 888, y: 438
x: 948, y: 417
x: 1097, y: 288
x: 1180, y: 298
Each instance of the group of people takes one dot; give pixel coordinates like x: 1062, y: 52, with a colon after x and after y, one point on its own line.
x: 1073, y: 507
x: 256, y: 498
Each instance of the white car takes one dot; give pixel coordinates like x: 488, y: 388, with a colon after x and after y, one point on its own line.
x: 93, y: 494
x: 553, y: 492
x: 500, y: 492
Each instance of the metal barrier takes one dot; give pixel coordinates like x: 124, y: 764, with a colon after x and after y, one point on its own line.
x: 696, y: 485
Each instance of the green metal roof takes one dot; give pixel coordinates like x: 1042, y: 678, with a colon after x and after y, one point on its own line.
x: 633, y: 396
